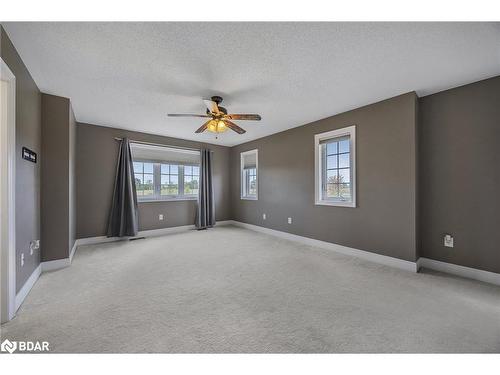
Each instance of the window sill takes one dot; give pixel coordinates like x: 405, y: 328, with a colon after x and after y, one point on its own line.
x: 249, y: 198
x: 167, y: 200
x: 336, y: 203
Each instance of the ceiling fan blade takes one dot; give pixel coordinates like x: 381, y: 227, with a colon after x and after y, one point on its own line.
x: 202, y: 128
x: 185, y: 115
x: 252, y: 117
x: 211, y: 105
x: 233, y: 126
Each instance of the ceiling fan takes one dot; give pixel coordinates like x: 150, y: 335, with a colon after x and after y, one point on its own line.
x: 220, y: 120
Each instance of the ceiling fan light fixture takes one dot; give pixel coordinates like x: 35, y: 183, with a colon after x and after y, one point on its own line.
x: 216, y: 126
x: 221, y: 126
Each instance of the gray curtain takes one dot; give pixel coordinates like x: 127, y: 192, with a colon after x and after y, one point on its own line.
x: 205, y: 215
x: 123, y: 218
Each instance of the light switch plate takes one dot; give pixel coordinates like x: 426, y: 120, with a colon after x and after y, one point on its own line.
x: 264, y: 217
x: 289, y: 220
x: 160, y: 217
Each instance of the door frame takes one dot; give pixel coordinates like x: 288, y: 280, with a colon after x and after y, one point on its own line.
x: 8, y: 199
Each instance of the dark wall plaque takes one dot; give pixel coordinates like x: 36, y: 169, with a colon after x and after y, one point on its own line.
x: 29, y: 155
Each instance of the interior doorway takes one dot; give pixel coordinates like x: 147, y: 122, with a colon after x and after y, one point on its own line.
x: 7, y: 192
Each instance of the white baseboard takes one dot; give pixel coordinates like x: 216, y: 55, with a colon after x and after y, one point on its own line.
x: 143, y: 233
x: 21, y: 296
x: 72, y: 252
x: 454, y: 269
x: 366, y: 255
x: 52, y: 265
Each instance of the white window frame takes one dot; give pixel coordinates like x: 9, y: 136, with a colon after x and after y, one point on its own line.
x: 318, y: 166
x: 157, y: 197
x: 243, y: 193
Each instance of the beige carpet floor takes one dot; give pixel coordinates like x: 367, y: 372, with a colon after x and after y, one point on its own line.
x: 230, y: 290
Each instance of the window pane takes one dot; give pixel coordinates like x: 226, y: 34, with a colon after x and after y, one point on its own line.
x: 332, y: 190
x: 345, y: 191
x: 195, y: 184
x: 148, y: 183
x: 344, y: 161
x: 190, y: 186
x: 331, y: 148
x: 138, y: 184
x: 344, y: 146
x: 137, y: 167
x: 164, y: 169
x: 148, y: 167
x: 249, y: 186
x: 344, y: 175
x: 331, y: 162
x: 169, y: 185
x: 188, y: 170
x: 252, y: 188
x: 196, y: 171
x: 174, y: 179
x: 331, y: 177
x: 174, y: 169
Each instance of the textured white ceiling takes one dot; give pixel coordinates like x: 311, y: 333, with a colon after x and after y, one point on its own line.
x: 130, y: 75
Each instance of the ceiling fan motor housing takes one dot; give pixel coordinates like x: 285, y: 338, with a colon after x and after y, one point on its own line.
x: 217, y: 99
x: 221, y: 109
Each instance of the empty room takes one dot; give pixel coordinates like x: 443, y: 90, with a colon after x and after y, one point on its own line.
x: 250, y: 187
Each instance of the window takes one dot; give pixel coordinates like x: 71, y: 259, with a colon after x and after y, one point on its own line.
x: 191, y: 179
x: 164, y: 173
x: 249, y: 174
x: 169, y: 174
x: 335, y: 168
x: 144, y: 177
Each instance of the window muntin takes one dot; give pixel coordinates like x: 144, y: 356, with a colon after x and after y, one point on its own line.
x: 335, y: 168
x: 249, y: 175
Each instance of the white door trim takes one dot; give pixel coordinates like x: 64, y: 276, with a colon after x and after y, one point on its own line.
x: 7, y: 199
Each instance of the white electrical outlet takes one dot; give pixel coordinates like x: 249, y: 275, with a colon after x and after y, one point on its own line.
x: 289, y: 220
x: 160, y: 217
x: 263, y: 216
x: 22, y: 259
x: 448, y: 240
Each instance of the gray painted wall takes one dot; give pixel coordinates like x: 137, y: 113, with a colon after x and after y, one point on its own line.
x: 97, y: 151
x: 28, y: 133
x: 58, y: 147
x: 457, y: 141
x: 460, y: 174
x: 384, y: 221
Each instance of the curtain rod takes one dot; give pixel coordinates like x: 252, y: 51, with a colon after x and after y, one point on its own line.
x: 159, y: 144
